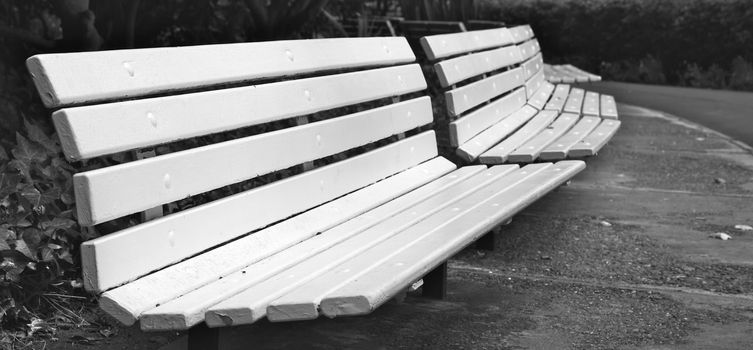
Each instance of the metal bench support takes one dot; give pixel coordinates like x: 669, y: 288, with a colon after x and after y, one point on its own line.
x: 435, y: 283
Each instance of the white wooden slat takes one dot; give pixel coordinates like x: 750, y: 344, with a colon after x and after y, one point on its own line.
x: 175, y: 237
x: 559, y: 97
x: 591, y: 104
x: 566, y: 76
x: 575, y: 101
x: 533, y: 84
x: 91, y: 131
x: 608, y: 107
x: 499, y: 153
x: 552, y: 76
x: 107, y: 193
x: 189, y: 309
x: 455, y: 70
x: 302, y: 303
x: 74, y: 78
x: 581, y: 74
x: 466, y: 97
x: 592, y: 143
x: 529, y: 49
x: 468, y: 126
x: 445, y: 45
x: 470, y: 150
x: 533, y: 65
x: 558, y: 149
x: 539, y: 99
x: 529, y: 151
x: 574, y: 75
x: 521, y: 33
x: 384, y: 281
x: 251, y: 304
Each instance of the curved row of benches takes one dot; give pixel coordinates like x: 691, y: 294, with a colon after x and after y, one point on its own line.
x: 373, y: 209
x: 500, y: 107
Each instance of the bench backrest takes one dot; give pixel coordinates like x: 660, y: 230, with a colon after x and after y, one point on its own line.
x: 117, y: 101
x: 501, y: 65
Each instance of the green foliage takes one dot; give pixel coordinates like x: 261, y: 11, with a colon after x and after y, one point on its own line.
x: 705, y: 43
x: 39, y: 236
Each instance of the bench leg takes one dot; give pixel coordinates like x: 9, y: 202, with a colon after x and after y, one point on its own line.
x: 487, y: 241
x: 201, y: 337
x: 435, y: 283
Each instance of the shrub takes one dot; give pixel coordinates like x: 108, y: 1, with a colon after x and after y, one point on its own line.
x: 704, y: 43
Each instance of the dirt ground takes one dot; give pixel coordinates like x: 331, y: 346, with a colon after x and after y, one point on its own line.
x: 619, y: 259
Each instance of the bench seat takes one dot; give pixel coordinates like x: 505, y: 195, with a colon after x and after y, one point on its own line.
x: 320, y: 194
x: 500, y: 107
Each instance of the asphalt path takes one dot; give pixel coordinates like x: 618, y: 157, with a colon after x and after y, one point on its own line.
x: 729, y: 112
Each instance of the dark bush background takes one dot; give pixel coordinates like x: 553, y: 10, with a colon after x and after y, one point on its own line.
x: 702, y: 43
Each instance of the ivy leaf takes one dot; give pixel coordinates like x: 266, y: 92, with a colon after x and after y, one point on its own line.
x: 37, y: 135
x: 67, y: 198
x: 22, y: 248
x: 27, y: 151
x: 56, y: 224
x: 6, y: 234
x: 23, y: 168
x: 8, y: 183
x: 51, y: 195
x: 32, y: 195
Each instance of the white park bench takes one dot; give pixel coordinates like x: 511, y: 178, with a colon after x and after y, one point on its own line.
x: 370, y: 210
x: 500, y: 108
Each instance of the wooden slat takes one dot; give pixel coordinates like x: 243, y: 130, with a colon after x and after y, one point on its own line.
x: 466, y: 97
x: 533, y: 65
x: 303, y: 302
x: 107, y: 193
x: 529, y: 49
x: 559, y: 97
x: 591, y: 104
x: 409, y: 262
x: 608, y: 107
x: 84, y: 133
x: 533, y: 84
x: 558, y: 149
x: 457, y: 69
x: 575, y: 101
x: 445, y: 45
x: 470, y: 150
x: 539, y: 99
x: 592, y: 143
x: 566, y: 76
x: 552, y: 75
x: 475, y: 24
x: 581, y: 75
x: 190, y: 277
x: 499, y: 153
x: 251, y: 304
x: 521, y: 33
x: 468, y: 126
x: 74, y: 78
x: 189, y: 309
x: 529, y: 151
x: 175, y: 237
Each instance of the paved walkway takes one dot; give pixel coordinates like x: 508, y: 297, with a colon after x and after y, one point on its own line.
x: 730, y: 112
x: 620, y: 259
